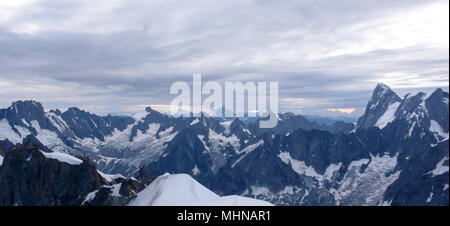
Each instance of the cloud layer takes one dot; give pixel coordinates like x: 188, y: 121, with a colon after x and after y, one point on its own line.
x: 118, y: 56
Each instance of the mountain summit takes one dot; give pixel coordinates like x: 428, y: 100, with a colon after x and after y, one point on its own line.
x: 383, y: 100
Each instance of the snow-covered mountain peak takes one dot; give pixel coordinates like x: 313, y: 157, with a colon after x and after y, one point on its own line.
x: 383, y: 87
x: 382, y: 94
x: 26, y: 105
x: 381, y: 101
x: 183, y: 190
x: 418, y: 113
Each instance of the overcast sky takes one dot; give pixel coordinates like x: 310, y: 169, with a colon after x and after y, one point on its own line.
x: 119, y: 56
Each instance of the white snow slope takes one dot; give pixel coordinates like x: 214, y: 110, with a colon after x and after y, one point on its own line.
x: 63, y: 157
x: 183, y: 190
x: 388, y: 116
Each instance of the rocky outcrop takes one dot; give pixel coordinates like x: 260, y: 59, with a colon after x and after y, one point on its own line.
x: 31, y: 175
x: 29, y: 178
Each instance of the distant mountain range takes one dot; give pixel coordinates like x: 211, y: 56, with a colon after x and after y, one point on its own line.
x: 330, y: 120
x: 396, y: 154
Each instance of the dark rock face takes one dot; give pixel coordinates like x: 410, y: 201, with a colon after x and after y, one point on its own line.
x: 287, y: 123
x: 261, y: 167
x: 119, y: 193
x: 183, y: 155
x: 29, y: 110
x: 419, y: 183
x: 145, y: 177
x: 129, y: 187
x: 86, y: 125
x: 5, y: 146
x: 339, y: 127
x: 28, y: 178
x: 22, y: 113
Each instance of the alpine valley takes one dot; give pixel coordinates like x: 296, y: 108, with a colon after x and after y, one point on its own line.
x: 396, y: 154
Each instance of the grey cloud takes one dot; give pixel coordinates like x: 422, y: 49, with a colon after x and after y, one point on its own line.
x: 117, y: 54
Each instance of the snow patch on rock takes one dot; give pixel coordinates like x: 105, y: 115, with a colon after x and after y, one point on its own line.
x: 437, y: 129
x: 63, y: 157
x: 388, y: 116
x: 247, y: 151
x: 440, y: 167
